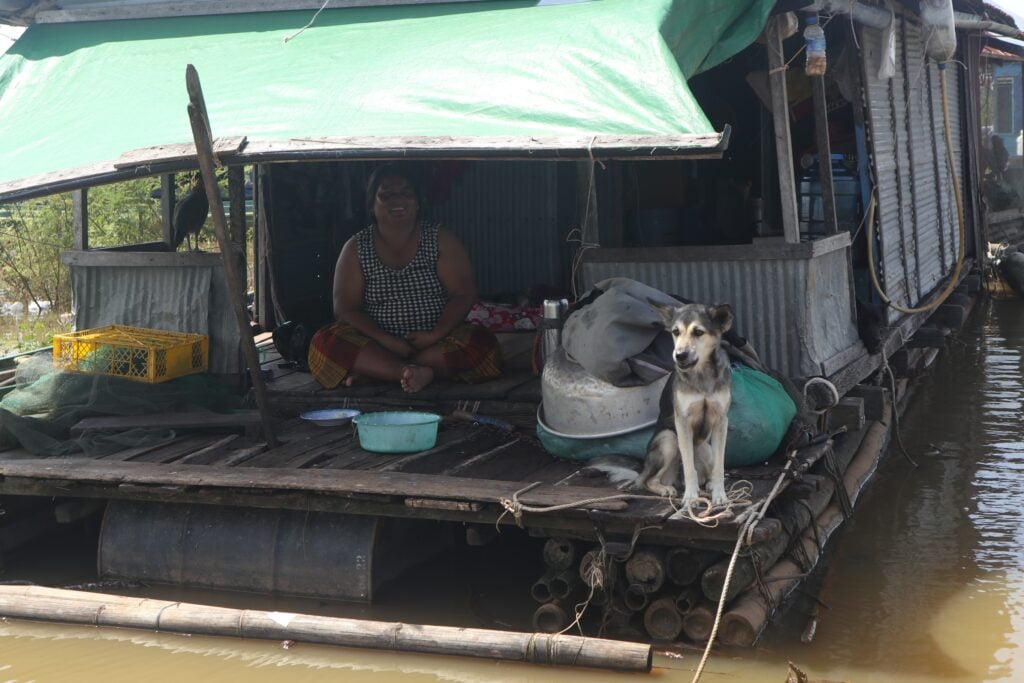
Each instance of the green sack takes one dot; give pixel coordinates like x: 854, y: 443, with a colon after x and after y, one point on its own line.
x: 759, y: 416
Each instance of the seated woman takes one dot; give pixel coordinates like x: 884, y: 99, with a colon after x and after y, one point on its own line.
x: 402, y: 289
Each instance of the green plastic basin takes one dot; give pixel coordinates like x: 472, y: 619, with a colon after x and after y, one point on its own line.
x: 396, y: 431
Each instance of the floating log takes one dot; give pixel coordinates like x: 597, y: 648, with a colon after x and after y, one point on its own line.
x: 560, y: 553
x: 794, y: 514
x: 743, y: 623
x: 684, y: 566
x: 645, y: 570
x: 550, y: 617
x: 97, y: 609
x: 698, y: 621
x: 662, y: 620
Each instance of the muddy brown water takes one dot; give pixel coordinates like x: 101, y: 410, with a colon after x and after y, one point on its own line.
x: 925, y: 583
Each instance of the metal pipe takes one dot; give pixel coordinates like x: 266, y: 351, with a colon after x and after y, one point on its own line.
x: 965, y: 20
x: 875, y: 17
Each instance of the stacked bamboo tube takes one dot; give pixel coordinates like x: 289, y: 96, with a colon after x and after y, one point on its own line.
x: 674, y: 592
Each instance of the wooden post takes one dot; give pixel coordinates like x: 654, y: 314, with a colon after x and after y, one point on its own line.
x: 204, y: 151
x: 80, y: 219
x: 95, y: 609
x: 783, y: 141
x: 828, y: 196
x: 167, y: 201
x: 236, y: 196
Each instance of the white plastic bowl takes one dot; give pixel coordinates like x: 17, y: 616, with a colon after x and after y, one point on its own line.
x: 330, y: 417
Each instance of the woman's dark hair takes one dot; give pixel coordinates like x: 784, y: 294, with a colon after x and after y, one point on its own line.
x: 404, y: 171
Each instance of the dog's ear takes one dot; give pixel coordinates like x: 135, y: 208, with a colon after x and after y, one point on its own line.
x: 722, y: 315
x: 667, y: 313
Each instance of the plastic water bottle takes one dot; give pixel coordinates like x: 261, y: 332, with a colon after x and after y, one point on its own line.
x: 814, y: 42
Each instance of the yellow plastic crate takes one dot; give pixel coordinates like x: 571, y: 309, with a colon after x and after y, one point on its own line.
x: 134, y: 353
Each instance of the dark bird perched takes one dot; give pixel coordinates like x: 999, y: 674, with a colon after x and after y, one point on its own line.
x: 190, y: 213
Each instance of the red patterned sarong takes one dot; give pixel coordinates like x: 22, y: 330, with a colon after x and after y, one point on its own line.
x: 471, y: 353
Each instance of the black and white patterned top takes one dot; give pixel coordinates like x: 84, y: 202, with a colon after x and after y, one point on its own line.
x: 405, y: 300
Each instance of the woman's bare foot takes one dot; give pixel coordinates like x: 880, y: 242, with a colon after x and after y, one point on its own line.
x: 354, y: 380
x: 416, y: 377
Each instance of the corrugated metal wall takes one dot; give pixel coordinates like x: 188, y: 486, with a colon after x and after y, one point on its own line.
x: 796, y: 312
x: 507, y: 215
x: 917, y: 219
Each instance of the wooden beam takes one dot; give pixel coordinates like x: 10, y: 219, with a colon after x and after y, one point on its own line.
x: 165, y: 159
x: 195, y: 420
x: 167, y: 200
x: 163, y: 259
x: 236, y: 195
x: 783, y: 140
x: 80, y: 218
x: 154, y: 10
x: 828, y: 197
x: 179, y: 152
x: 204, y: 148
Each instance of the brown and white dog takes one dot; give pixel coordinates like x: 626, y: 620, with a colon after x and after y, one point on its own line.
x: 693, y: 411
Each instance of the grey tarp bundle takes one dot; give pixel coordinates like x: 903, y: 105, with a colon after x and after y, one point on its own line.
x: 616, y: 336
x: 39, y: 415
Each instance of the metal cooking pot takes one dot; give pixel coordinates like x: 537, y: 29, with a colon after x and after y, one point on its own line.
x: 578, y: 405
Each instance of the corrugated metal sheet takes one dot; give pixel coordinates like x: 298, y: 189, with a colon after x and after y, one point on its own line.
x: 183, y: 299
x: 916, y: 214
x: 796, y: 312
x: 506, y: 213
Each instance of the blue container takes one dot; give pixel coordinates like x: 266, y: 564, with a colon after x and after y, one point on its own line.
x: 846, y: 188
x: 396, y: 432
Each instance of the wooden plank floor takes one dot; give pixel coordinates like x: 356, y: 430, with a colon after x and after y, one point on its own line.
x: 463, y: 478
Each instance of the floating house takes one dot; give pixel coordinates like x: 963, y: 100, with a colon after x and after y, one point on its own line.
x: 681, y: 144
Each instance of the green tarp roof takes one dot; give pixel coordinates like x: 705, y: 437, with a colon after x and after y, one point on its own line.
x: 599, y: 77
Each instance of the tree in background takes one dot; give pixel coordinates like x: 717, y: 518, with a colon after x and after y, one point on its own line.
x: 33, y: 234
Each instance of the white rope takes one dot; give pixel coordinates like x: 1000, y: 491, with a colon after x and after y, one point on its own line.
x: 832, y: 389
x: 296, y: 34
x: 745, y: 534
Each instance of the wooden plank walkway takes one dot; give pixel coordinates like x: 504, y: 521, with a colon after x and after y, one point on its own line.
x: 465, y: 477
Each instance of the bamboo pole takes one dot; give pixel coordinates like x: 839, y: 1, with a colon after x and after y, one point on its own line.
x: 746, y: 619
x: 662, y: 620
x: 684, y: 566
x: 698, y: 622
x: 646, y: 569
x: 97, y: 609
x: 204, y: 152
x: 795, y: 515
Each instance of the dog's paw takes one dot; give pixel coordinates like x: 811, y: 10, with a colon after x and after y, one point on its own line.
x: 689, y: 497
x: 719, y: 498
x: 659, y: 489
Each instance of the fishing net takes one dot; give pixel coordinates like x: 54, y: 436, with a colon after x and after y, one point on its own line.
x: 39, y: 414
